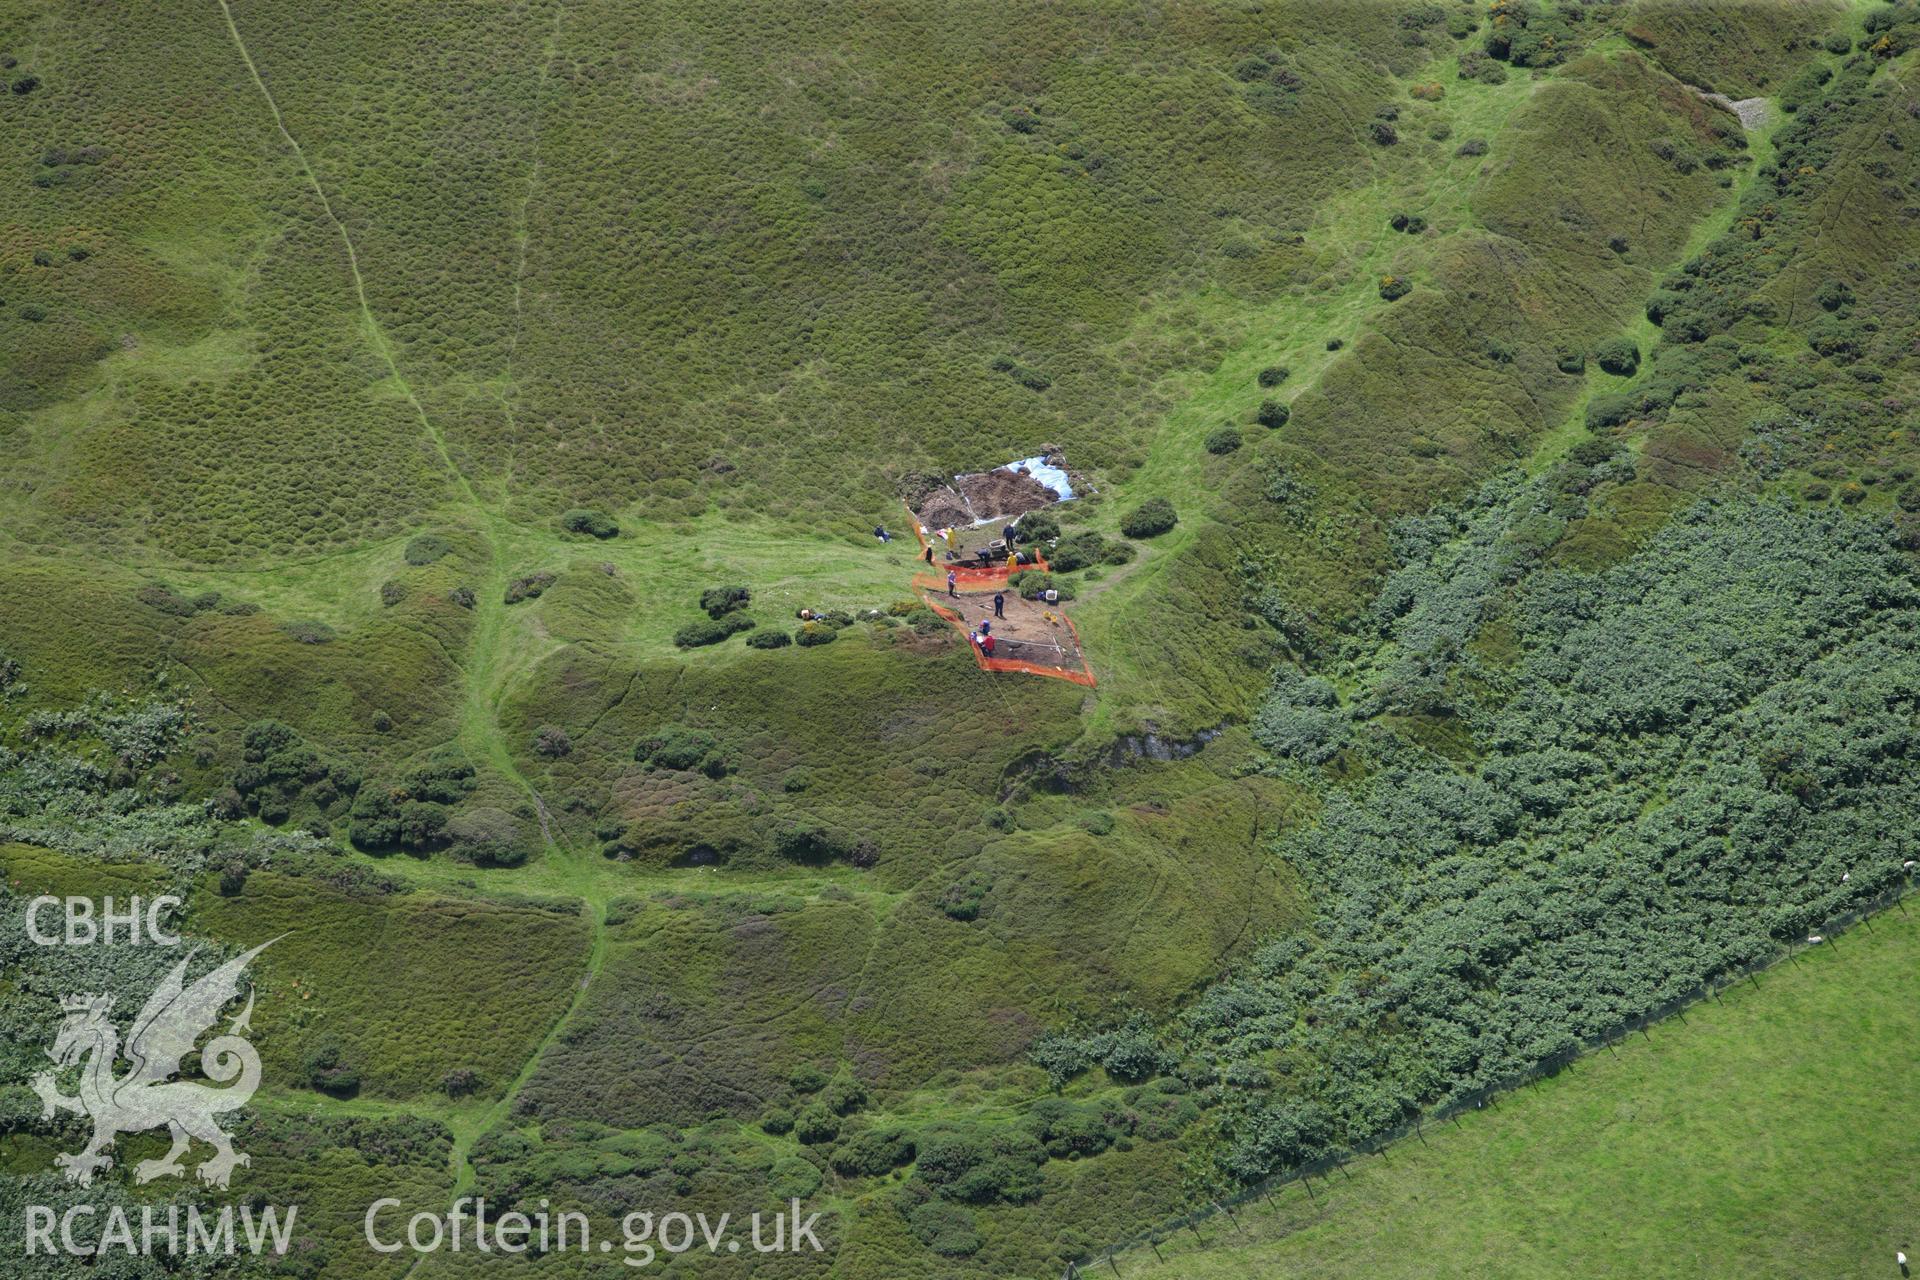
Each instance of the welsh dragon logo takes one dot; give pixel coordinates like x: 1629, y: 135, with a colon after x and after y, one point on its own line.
x: 147, y: 1096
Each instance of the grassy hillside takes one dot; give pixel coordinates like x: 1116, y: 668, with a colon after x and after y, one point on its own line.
x: 386, y: 387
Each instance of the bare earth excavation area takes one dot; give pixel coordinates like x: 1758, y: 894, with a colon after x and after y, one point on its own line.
x: 970, y: 543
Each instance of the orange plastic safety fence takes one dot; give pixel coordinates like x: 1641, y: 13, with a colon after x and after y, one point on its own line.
x: 1083, y: 676
x: 967, y: 573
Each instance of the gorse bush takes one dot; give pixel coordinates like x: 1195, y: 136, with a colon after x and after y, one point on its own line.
x: 1223, y: 440
x: 597, y: 524
x: 1149, y: 520
x: 1618, y: 356
x: 410, y: 813
x: 529, y: 587
x: 718, y: 601
x: 677, y: 747
x: 706, y: 631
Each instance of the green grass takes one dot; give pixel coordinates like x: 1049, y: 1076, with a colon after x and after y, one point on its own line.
x: 733, y: 278
x: 1762, y: 1135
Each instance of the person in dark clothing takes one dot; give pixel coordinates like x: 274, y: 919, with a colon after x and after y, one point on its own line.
x: 985, y: 555
x: 929, y: 553
x: 999, y: 604
x: 953, y: 580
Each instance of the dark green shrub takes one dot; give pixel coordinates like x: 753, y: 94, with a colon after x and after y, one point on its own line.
x: 872, y: 1152
x: 1038, y: 526
x: 1150, y: 519
x: 1273, y: 375
x: 810, y: 843
x: 946, y: 1157
x: 1273, y: 414
x: 1032, y: 379
x: 814, y: 633
x: 1034, y: 583
x: 769, y: 640
x: 386, y: 818
x: 551, y: 741
x: 1619, y: 356
x: 706, y: 631
x: 1117, y: 552
x: 1393, y: 288
x: 777, y: 1121
x: 1471, y: 147
x: 793, y: 1177
x: 1077, y: 552
x: 1591, y: 453
x: 1223, y: 441
x: 719, y: 601
x: 806, y: 1078
x: 529, y: 587
x: 676, y: 747
x: 844, y: 1097
x: 1569, y: 360
x: 1608, y: 411
x: 816, y: 1125
x: 327, y: 1071
x: 589, y: 521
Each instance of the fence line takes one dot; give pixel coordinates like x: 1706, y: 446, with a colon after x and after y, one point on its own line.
x: 1479, y: 1099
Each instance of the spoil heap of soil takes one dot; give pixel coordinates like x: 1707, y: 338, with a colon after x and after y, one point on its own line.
x: 992, y: 494
x: 944, y: 509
